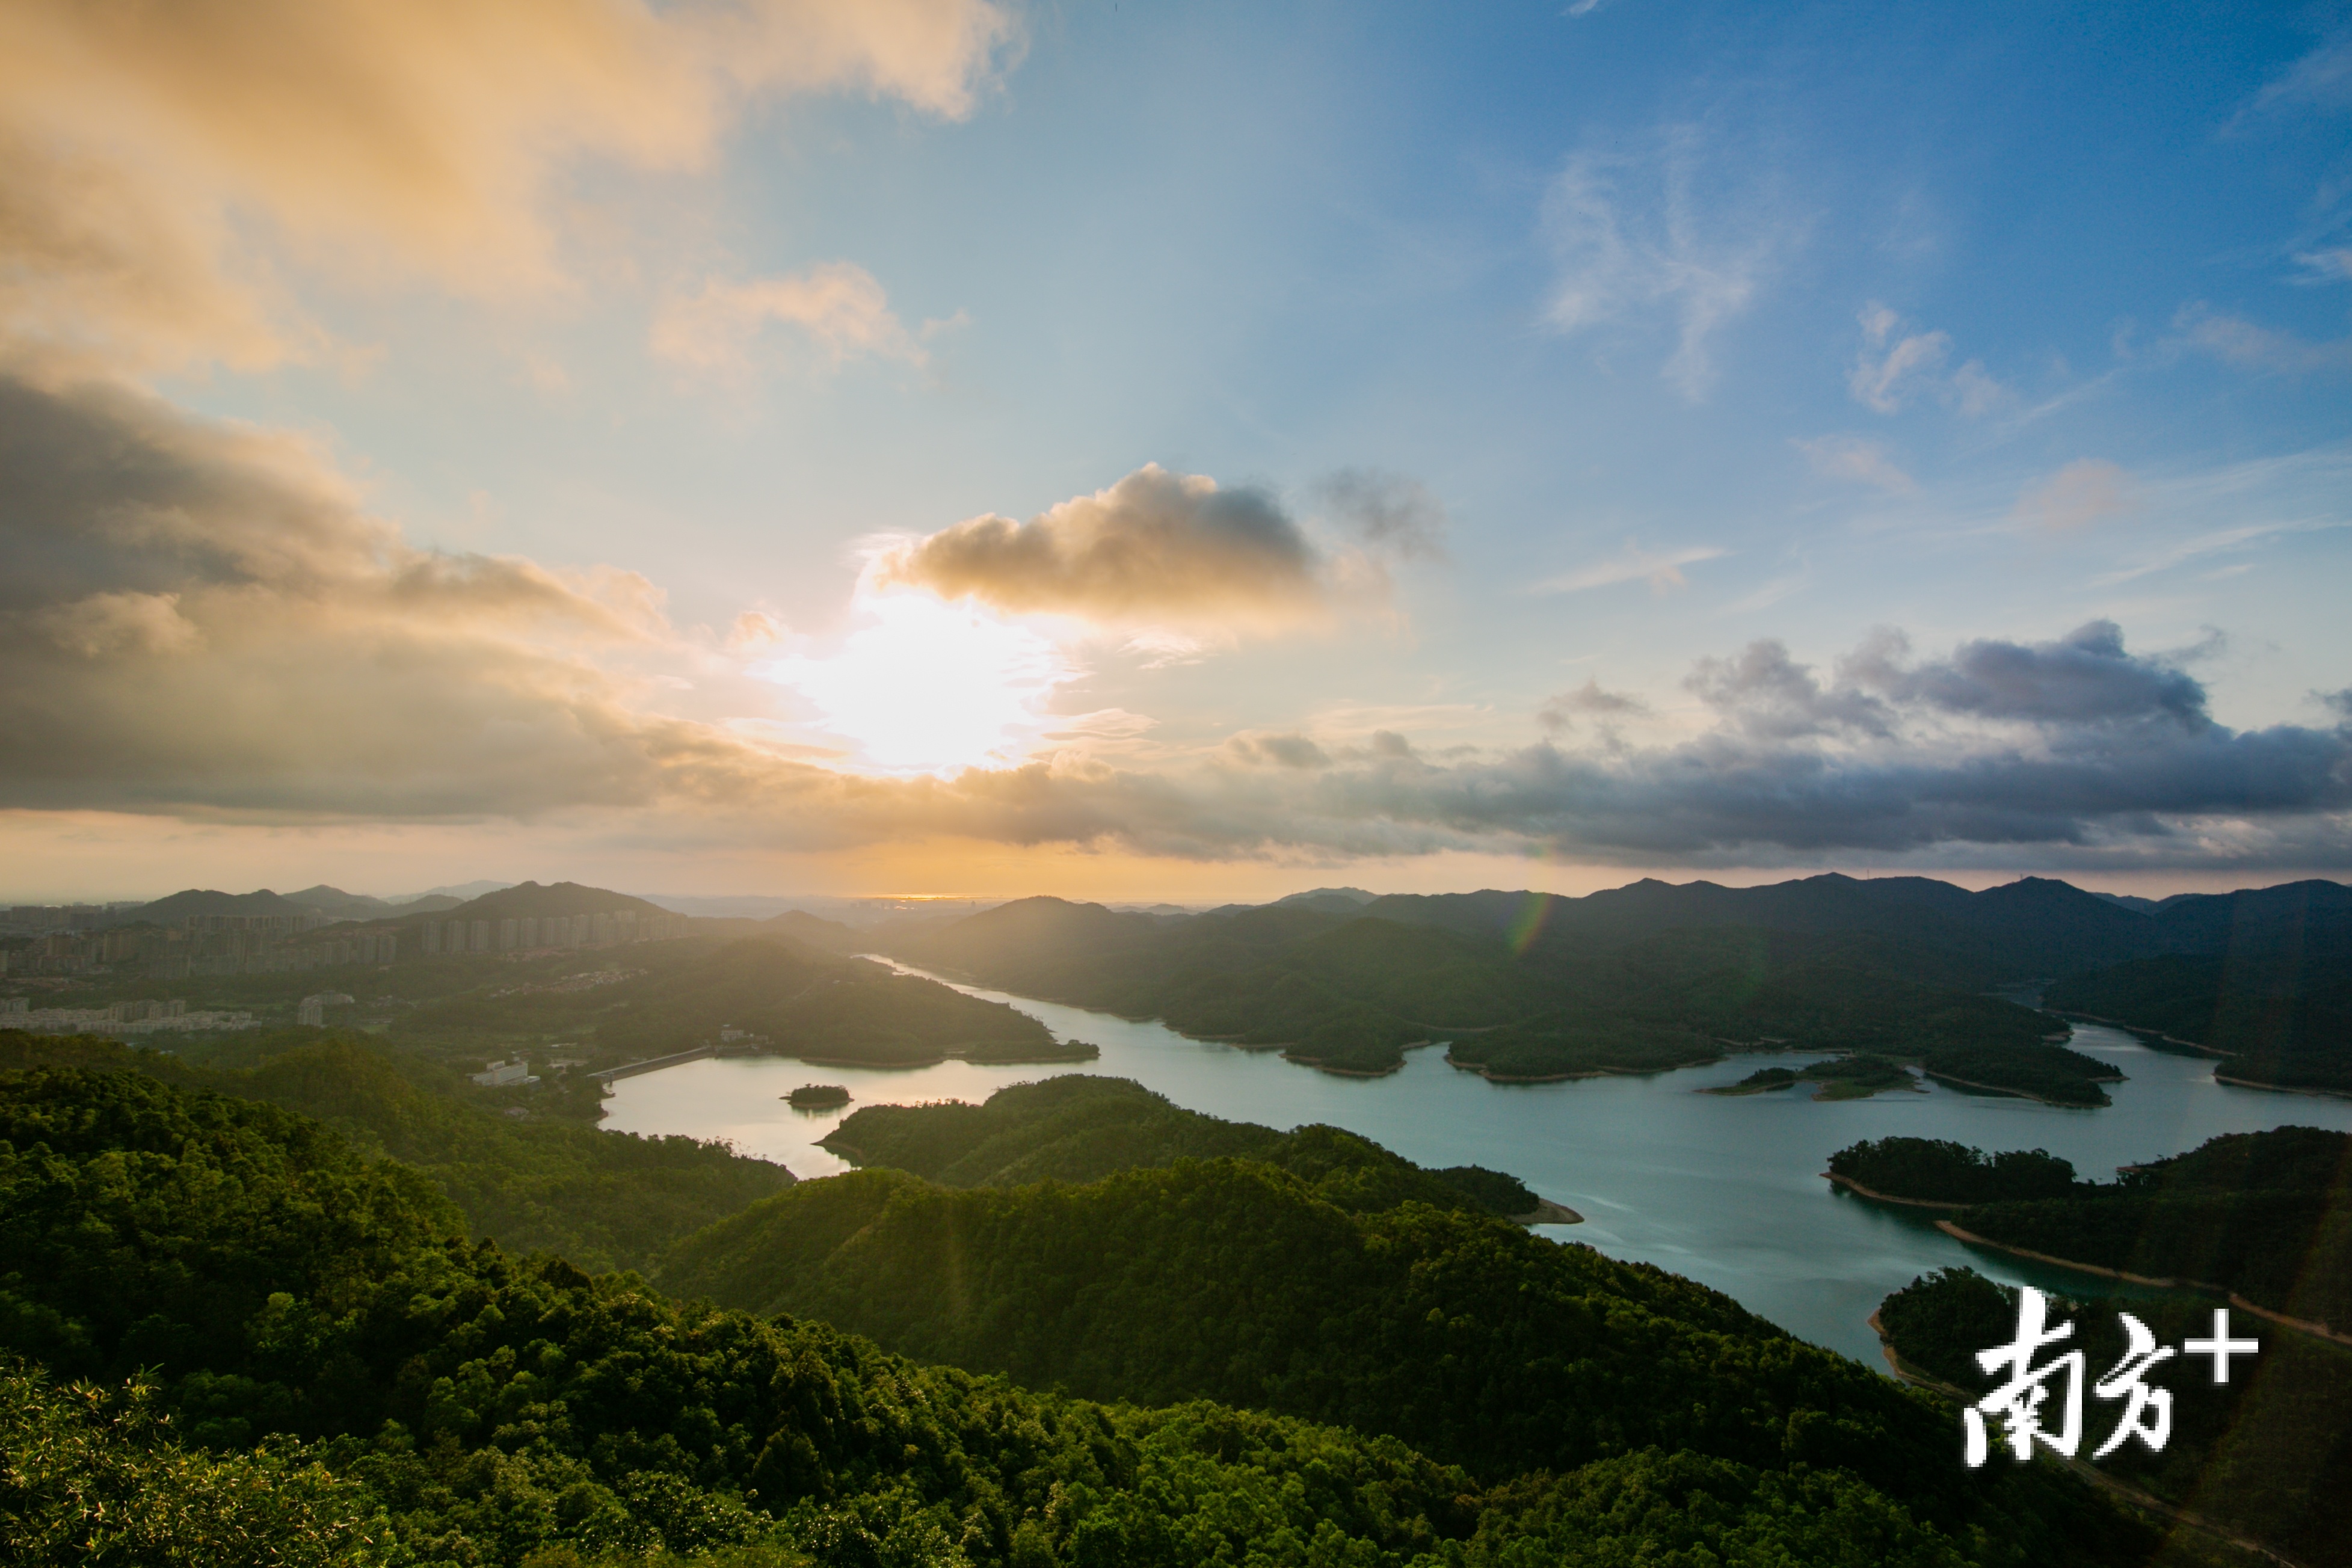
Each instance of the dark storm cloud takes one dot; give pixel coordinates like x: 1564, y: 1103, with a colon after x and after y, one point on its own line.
x: 2084, y: 678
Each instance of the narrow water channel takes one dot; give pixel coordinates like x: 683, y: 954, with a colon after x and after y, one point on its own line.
x: 1726, y: 1190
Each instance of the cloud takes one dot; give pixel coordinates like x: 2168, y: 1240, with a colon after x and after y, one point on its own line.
x: 2076, y: 749
x: 1561, y: 711
x: 1637, y: 234
x: 202, y: 622
x: 1890, y: 371
x: 1763, y: 693
x: 1156, y: 548
x: 159, y: 164
x: 2250, y: 347
x: 2326, y: 265
x: 200, y: 618
x: 1661, y: 570
x: 2085, y: 677
x: 1389, y: 512
x: 2081, y: 493
x: 1279, y: 750
x: 2320, y: 79
x: 838, y: 307
x: 1852, y: 457
x: 2224, y: 539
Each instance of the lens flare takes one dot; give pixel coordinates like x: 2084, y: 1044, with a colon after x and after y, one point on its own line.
x: 925, y: 686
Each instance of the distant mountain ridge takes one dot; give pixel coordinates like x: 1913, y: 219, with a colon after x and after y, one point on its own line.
x: 528, y: 899
x: 1527, y: 985
x: 344, y: 905
x: 195, y: 901
x: 330, y: 902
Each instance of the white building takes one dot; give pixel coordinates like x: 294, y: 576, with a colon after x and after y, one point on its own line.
x: 313, y: 1010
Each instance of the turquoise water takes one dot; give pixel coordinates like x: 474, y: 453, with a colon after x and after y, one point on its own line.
x: 1726, y: 1190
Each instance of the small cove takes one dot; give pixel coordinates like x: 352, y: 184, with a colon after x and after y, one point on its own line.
x: 1725, y: 1190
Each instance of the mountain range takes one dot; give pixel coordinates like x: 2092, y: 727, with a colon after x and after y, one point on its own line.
x: 1655, y: 975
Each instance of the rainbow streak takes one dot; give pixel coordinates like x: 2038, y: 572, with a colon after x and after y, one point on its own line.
x: 1529, y: 922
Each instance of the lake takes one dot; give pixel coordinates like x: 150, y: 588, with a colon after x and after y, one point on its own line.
x: 1727, y: 1190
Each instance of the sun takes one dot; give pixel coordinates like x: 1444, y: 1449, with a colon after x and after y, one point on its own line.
x: 926, y: 687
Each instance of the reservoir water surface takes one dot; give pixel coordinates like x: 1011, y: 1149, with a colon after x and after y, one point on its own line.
x: 1726, y: 1190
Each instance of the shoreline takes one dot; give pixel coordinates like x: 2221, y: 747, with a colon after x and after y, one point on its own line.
x: 1852, y: 1186
x: 2143, y: 1031
x: 2201, y: 1287
x: 1546, y: 1212
x: 1492, y: 1077
x: 2105, y: 1098
x: 2221, y: 1077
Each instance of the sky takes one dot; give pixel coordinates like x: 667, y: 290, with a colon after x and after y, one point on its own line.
x: 978, y: 448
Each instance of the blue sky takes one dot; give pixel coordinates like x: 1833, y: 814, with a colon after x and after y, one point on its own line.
x: 1679, y: 330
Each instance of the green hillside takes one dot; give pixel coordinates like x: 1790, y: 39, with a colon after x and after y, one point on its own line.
x: 315, y: 1319
x: 1078, y: 1128
x: 657, y: 998
x: 2268, y: 1454
x: 2282, y: 1018
x: 2265, y: 1215
x: 609, y: 1200
x: 1467, y: 1337
x: 1351, y: 993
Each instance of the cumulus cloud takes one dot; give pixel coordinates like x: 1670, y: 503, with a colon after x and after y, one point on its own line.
x: 2074, y: 747
x: 2086, y: 677
x: 202, y: 618
x: 1765, y: 693
x: 2079, y: 495
x: 1664, y: 232
x: 1853, y: 458
x: 837, y: 309
x: 1156, y: 548
x: 157, y: 161
x: 202, y: 621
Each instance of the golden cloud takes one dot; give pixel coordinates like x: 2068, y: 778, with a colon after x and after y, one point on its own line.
x: 1156, y: 548
x: 201, y: 621
x: 146, y: 149
x: 837, y: 306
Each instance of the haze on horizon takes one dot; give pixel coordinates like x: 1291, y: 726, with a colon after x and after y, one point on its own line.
x: 975, y: 448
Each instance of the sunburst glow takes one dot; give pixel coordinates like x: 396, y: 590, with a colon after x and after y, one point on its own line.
x: 925, y: 686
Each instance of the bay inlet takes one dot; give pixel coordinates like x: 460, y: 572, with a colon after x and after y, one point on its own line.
x: 1725, y: 1190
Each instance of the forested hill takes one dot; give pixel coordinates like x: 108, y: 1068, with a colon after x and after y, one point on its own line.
x: 2263, y: 978
x: 2266, y: 1456
x: 1467, y: 1337
x: 2267, y: 1215
x: 1078, y: 1128
x: 778, y: 994
x: 341, y: 1377
x: 1354, y: 993
x: 1653, y: 975
x: 608, y: 1200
